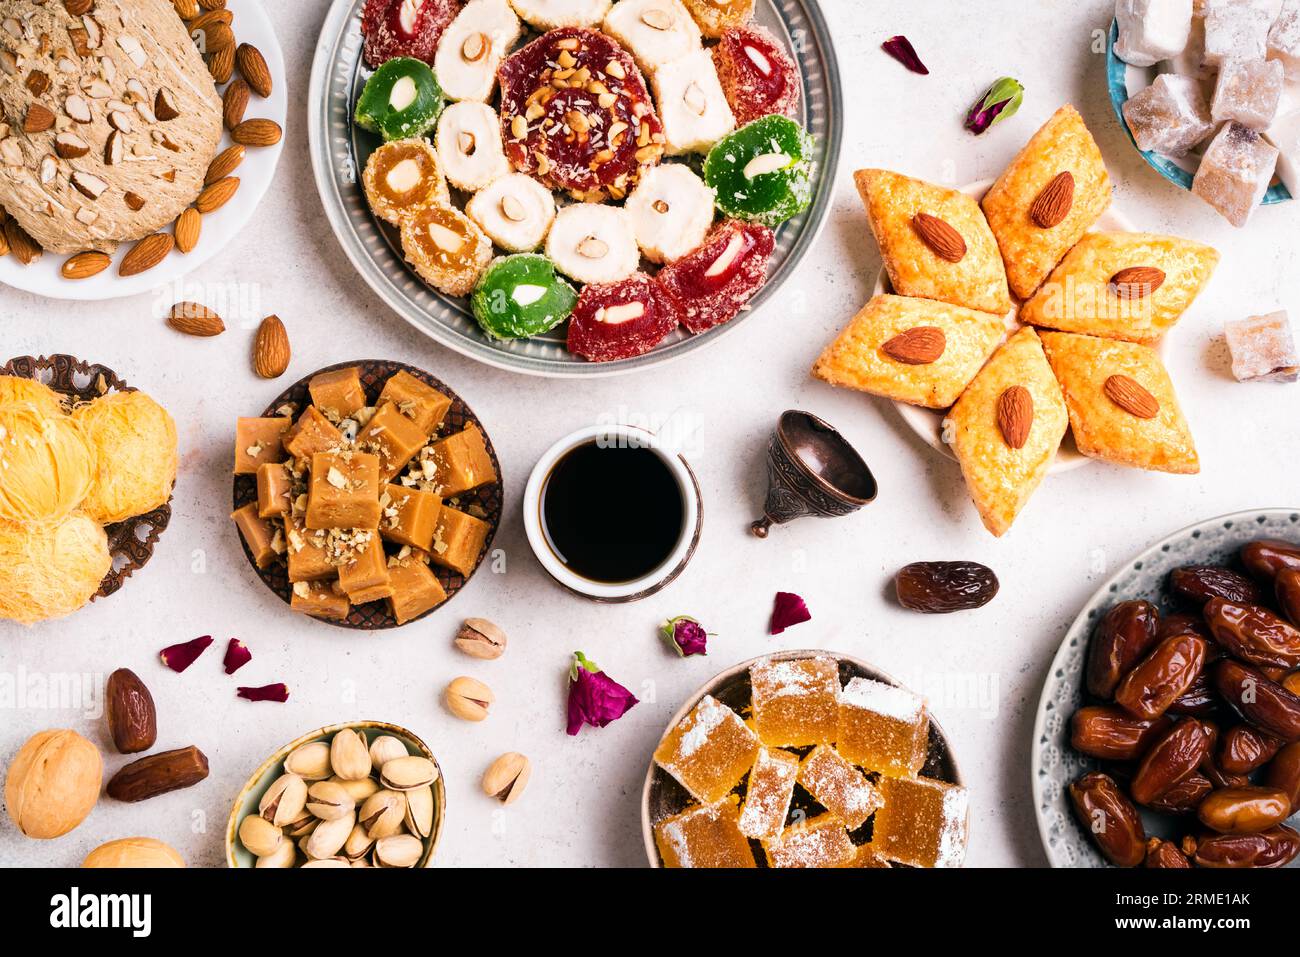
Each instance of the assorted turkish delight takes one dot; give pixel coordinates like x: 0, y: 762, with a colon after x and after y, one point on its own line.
x: 1170, y: 116
x: 713, y: 283
x: 757, y: 75
x: 1263, y: 348
x: 404, y: 28
x: 1235, y: 172
x: 621, y: 319
x: 1248, y: 91
x: 1152, y: 30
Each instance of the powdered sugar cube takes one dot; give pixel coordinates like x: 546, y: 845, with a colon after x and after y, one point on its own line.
x: 1235, y: 172
x: 1284, y: 133
x: 1263, y: 348
x: 1248, y: 91
x: 1152, y: 30
x: 1236, y: 31
x: 1191, y: 61
x: 1284, y: 39
x: 1170, y: 116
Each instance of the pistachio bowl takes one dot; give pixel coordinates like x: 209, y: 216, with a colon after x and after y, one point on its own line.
x: 266, y: 774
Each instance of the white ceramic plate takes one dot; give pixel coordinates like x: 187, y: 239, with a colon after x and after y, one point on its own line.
x: 251, y: 25
x: 928, y: 423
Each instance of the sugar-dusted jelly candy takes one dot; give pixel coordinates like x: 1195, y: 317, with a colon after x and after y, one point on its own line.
x: 1235, y: 172
x: 882, y: 727
x: 401, y: 99
x: 838, y: 786
x: 671, y: 211
x: 1263, y: 348
x: 654, y: 31
x: 821, y: 841
x: 768, y: 793
x: 757, y: 75
x: 402, y: 178
x: 703, y: 836
x: 1152, y: 30
x: 1170, y: 116
x: 446, y: 248
x: 404, y: 28
x: 576, y: 114
x: 1236, y: 31
x: 472, y: 48
x: 866, y: 856
x: 593, y: 242
x: 715, y: 17
x: 795, y: 701
x: 515, y: 210
x: 692, y: 106
x: 708, y: 751
x: 713, y: 282
x: 923, y: 823
x: 1284, y: 39
x: 763, y: 171
x: 521, y: 296
x: 1248, y: 91
x: 469, y: 145
x: 619, y: 320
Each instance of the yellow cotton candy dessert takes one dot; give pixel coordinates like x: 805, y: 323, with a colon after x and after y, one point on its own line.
x: 50, y: 569
x: 46, y: 464
x: 135, y: 449
x: 14, y: 390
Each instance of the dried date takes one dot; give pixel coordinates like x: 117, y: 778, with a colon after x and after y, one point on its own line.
x: 1124, y: 635
x: 1200, y: 583
x: 1286, y: 588
x: 1181, y: 623
x: 1112, y: 734
x: 1110, y: 818
x: 1243, y: 749
x: 1247, y: 810
x: 1275, y: 847
x: 1253, y: 634
x: 1162, y: 677
x: 1170, y: 759
x: 938, y: 588
x: 1284, y: 772
x: 1261, y: 702
x: 1184, y: 796
x: 132, y: 717
x: 1165, y: 855
x: 158, y: 774
x: 1200, y: 700
x: 1268, y: 556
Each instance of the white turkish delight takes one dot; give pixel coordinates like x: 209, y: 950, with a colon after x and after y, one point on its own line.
x: 1236, y: 31
x: 1263, y: 348
x: 1248, y: 91
x: 1284, y: 39
x: 1152, y: 30
x: 1235, y: 172
x: 1170, y: 116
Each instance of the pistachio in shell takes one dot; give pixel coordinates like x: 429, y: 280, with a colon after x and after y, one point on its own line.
x: 399, y: 850
x: 286, y: 855
x: 383, y: 813
x: 408, y: 773
x: 386, y: 748
x: 349, y: 756
x: 284, y: 800
x: 419, y: 811
x: 310, y: 761
x: 260, y: 836
x: 329, y: 801
x: 329, y: 837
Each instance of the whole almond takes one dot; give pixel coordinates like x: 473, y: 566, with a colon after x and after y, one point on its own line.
x: 1131, y: 396
x: 195, y: 319
x: 227, y: 162
x: 234, y: 103
x: 259, y: 132
x: 213, y: 36
x: 917, y: 346
x: 24, y: 248
x: 158, y: 774
x: 39, y: 119
x: 271, y: 348
x: 209, y: 17
x: 4, y: 242
x: 217, y: 195
x: 84, y: 265
x: 1054, y: 202
x: 1137, y: 282
x: 212, y: 4
x: 253, y: 68
x: 146, y: 254
x: 1015, y: 415
x: 222, y: 65
x: 189, y: 225
x: 79, y: 7
x: 943, y: 239
x: 132, y: 717
x: 187, y: 9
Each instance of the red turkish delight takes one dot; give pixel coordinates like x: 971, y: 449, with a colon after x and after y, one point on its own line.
x: 713, y: 282
x: 619, y: 320
x: 758, y: 77
x: 394, y: 28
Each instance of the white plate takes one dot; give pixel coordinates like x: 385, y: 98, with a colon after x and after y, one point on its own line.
x: 251, y: 25
x: 928, y: 423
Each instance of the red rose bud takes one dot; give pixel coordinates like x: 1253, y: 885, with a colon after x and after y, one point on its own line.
x: 276, y: 692
x: 789, y: 610
x: 594, y: 697
x: 687, y: 635
x: 180, y: 657
x: 1001, y: 100
x: 901, y: 49
x: 237, y: 655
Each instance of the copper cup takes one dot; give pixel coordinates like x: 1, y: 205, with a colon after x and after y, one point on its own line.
x: 812, y: 470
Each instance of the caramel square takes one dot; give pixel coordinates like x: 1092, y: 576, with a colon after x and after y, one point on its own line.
x: 422, y: 404
x: 393, y: 437
x: 319, y: 600
x: 415, y: 589
x: 261, y: 537
x: 410, y: 516
x: 795, y: 702
x: 338, y: 394
x: 274, y: 490
x: 923, y: 823
x: 308, y: 555
x: 312, y: 433
x: 462, y: 462
x: 457, y: 540
x: 708, y: 751
x: 257, y: 442
x: 343, y: 491
x: 365, y: 578
x: 703, y: 836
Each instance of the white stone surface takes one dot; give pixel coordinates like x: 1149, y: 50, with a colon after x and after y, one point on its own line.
x: 582, y: 807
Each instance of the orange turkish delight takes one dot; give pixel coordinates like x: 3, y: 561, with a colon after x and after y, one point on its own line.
x: 393, y: 437
x: 883, y: 728
x: 794, y: 701
x: 274, y: 490
x: 312, y: 433
x: 768, y: 793
x: 703, y: 836
x: 838, y: 786
x: 922, y: 824
x: 462, y: 462
x: 365, y: 577
x: 415, y: 588
x: 457, y: 540
x: 260, y: 535
x: 821, y: 841
x: 309, y: 558
x: 320, y: 600
x: 708, y: 751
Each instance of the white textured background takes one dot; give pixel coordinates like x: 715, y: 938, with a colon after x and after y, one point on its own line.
x: 583, y: 805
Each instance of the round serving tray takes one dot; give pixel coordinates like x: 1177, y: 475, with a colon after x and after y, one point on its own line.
x: 1054, y: 764
x: 375, y: 615
x: 339, y: 151
x: 130, y: 542
x: 662, y: 795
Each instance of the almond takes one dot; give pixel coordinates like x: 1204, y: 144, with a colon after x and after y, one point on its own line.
x: 1131, y: 396
x: 187, y: 9
x: 187, y: 229
x: 917, y: 346
x: 1054, y: 202
x: 134, y: 201
x: 212, y: 4
x: 195, y: 319
x: 253, y: 68
x: 234, y: 103
x: 205, y: 20
x: 943, y: 240
x: 217, y: 195
x: 4, y: 243
x: 271, y: 348
x: 37, y: 83
x: 79, y: 8
x: 146, y: 254
x: 1015, y: 415
x: 227, y: 162
x: 213, y: 36
x: 24, y: 248
x: 164, y: 105
x: 70, y: 146
x: 84, y: 265
x: 257, y: 133
x: 1136, y: 282
x: 222, y: 65
x: 39, y: 119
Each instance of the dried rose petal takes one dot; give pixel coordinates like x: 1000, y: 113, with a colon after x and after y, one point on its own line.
x: 789, y: 610
x: 237, y: 655
x: 275, y: 692
x: 180, y: 657
x: 901, y: 49
x: 687, y: 635
x: 1000, y: 101
x: 594, y: 697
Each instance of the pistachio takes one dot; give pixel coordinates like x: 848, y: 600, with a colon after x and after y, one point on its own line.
x: 310, y: 761
x: 400, y: 850
x: 328, y: 862
x: 358, y: 844
x: 383, y: 813
x: 359, y: 790
x: 260, y: 836
x: 349, y: 755
x: 302, y: 825
x: 284, y: 800
x: 285, y: 855
x: 384, y: 749
x: 479, y: 638
x: 329, y: 801
x: 469, y: 699
x: 507, y: 776
x: 328, y: 839
x: 419, y: 811
x: 408, y: 773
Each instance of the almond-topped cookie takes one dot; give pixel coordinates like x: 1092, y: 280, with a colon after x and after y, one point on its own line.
x: 87, y: 160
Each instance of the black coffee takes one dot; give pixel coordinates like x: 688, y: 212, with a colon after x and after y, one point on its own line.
x: 611, y: 514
